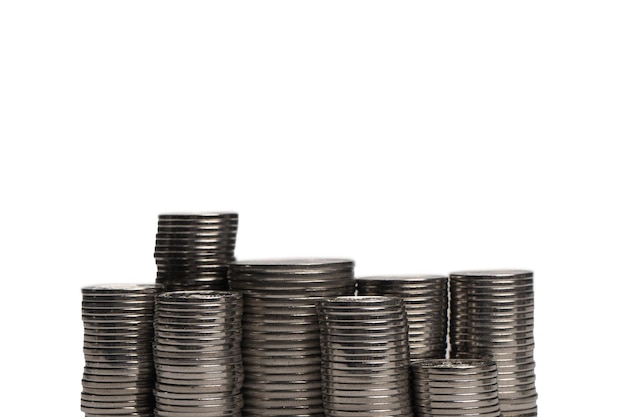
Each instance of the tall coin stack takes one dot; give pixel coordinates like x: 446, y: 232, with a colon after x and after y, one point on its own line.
x: 426, y: 302
x: 193, y: 251
x: 281, y: 340
x: 197, y: 354
x: 118, y: 377
x: 365, y: 357
x: 492, y: 314
x: 449, y: 387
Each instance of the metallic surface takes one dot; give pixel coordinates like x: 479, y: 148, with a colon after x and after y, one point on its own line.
x: 492, y: 316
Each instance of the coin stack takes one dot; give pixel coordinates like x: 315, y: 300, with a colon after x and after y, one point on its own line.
x: 365, y: 357
x: 193, y: 251
x: 492, y: 314
x: 426, y: 302
x: 281, y: 340
x: 197, y: 354
x: 118, y: 377
x: 455, y: 387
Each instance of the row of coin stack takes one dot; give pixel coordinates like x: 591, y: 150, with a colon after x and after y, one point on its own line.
x: 303, y: 337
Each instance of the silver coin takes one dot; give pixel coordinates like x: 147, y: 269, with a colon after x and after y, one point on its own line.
x: 188, y: 411
x: 115, y: 411
x: 112, y: 403
x: 118, y: 289
x: 266, y: 265
x: 142, y: 392
x: 178, y: 338
x: 183, y: 301
x: 204, y: 413
x: 133, y: 368
x: 193, y: 381
x: 199, y: 389
x: 112, y: 385
x: 277, y: 410
x: 117, y: 339
x: 116, y: 352
x: 91, y: 295
x: 205, y: 251
x: 291, y: 361
x: 295, y: 370
x: 200, y: 366
x: 197, y: 227
x: 264, y: 379
x: 122, y: 334
x: 125, y: 381
x: 219, y: 236
x: 193, y: 328
x: 198, y: 348
x: 201, y: 400
x: 185, y: 407
x: 256, y: 279
x: 197, y: 360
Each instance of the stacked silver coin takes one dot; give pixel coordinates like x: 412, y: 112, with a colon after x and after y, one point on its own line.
x: 193, y: 251
x: 426, y: 302
x: 118, y: 377
x: 492, y: 314
x: 197, y: 354
x: 365, y: 357
x: 455, y: 387
x: 281, y: 340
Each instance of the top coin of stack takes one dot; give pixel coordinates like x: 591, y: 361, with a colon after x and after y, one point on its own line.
x: 193, y: 251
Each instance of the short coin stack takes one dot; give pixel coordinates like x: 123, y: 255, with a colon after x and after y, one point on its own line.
x: 492, y: 315
x: 455, y: 387
x: 365, y: 357
x: 118, y: 327
x: 281, y: 340
x: 426, y: 302
x: 193, y: 251
x: 197, y: 354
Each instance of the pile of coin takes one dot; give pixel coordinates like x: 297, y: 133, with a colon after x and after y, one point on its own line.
x: 193, y: 251
x: 118, y: 377
x: 455, y: 387
x: 197, y: 354
x: 365, y: 357
x: 426, y: 302
x: 281, y: 340
x: 492, y: 315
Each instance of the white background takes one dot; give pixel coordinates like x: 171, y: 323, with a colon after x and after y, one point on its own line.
x: 409, y: 136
